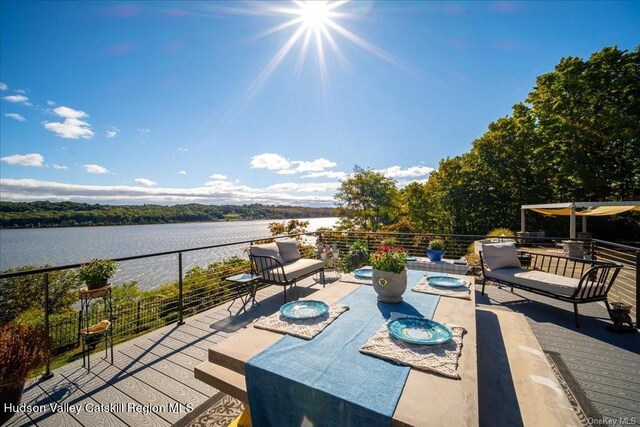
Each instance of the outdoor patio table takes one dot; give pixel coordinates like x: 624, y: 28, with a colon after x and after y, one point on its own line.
x: 425, y: 399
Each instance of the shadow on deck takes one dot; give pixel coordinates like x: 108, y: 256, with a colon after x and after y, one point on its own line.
x: 601, y: 368
x: 151, y: 382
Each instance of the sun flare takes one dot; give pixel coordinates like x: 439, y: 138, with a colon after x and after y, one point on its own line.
x: 314, y: 14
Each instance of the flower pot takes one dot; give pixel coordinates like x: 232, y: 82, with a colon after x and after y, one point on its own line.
x: 10, y: 394
x: 389, y: 286
x: 435, y: 255
x: 97, y: 284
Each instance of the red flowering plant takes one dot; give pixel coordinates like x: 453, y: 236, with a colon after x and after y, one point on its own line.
x: 389, y: 258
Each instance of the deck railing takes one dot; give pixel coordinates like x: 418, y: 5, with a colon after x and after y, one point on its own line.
x: 195, y: 289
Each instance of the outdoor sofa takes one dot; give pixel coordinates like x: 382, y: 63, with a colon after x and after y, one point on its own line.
x: 573, y: 280
x: 280, y: 263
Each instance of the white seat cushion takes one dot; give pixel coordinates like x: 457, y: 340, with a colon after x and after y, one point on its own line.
x: 536, y: 279
x: 288, y: 250
x: 295, y: 269
x: 500, y: 255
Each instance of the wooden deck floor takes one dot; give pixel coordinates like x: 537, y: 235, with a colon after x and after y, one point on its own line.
x: 151, y: 381
x: 157, y: 368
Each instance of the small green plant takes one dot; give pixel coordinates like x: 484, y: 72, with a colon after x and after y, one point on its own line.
x: 436, y: 245
x: 501, y: 232
x: 357, y: 256
x: 389, y: 258
x: 97, y: 272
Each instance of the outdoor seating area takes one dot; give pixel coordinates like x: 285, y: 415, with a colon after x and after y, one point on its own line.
x: 280, y: 263
x: 568, y: 279
x: 162, y: 367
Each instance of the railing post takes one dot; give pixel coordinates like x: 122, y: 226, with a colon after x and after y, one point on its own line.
x: 45, y: 282
x: 138, y: 319
x: 637, y: 289
x: 180, y: 295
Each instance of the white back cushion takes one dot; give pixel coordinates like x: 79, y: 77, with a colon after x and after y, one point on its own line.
x: 268, y: 249
x: 500, y: 255
x: 288, y: 250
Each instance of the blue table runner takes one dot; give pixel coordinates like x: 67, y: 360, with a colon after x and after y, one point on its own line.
x: 327, y: 381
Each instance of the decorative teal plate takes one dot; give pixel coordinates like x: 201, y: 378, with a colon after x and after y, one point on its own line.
x: 419, y: 331
x: 364, y: 273
x: 411, y: 258
x: 304, y: 309
x: 446, y: 282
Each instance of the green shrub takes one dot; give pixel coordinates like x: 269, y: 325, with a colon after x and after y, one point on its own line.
x: 436, y: 245
x: 501, y: 232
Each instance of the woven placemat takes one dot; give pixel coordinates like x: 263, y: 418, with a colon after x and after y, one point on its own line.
x: 423, y: 286
x: 441, y: 359
x: 303, y: 328
x: 351, y: 278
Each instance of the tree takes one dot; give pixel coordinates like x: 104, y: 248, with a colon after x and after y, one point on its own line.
x: 367, y: 199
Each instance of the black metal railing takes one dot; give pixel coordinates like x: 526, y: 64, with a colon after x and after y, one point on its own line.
x: 194, y: 289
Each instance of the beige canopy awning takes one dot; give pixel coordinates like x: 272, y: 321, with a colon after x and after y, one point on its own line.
x: 583, y: 209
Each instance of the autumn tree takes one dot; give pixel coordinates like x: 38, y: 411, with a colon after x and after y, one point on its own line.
x: 367, y: 199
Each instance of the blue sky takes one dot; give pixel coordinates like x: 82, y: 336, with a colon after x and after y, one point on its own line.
x: 178, y: 102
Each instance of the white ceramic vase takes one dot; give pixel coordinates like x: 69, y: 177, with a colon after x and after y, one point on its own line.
x: 389, y: 286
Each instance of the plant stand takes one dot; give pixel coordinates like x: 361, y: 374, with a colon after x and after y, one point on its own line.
x: 88, y: 332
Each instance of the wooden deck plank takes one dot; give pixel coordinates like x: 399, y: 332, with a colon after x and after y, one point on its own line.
x: 178, y: 372
x: 101, y: 392
x: 139, y: 390
x: 34, y: 395
x: 158, y: 379
x: 179, y: 346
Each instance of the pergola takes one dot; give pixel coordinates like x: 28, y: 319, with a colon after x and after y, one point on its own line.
x: 583, y: 209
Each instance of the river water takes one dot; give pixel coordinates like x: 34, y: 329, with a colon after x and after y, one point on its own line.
x: 73, y: 245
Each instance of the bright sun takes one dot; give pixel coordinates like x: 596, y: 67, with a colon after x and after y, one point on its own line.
x: 311, y: 22
x: 315, y: 14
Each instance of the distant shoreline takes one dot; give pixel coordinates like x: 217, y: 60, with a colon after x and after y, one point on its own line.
x: 26, y: 215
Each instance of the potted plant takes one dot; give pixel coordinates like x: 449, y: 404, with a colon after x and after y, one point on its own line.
x: 435, y: 251
x: 22, y: 349
x: 357, y: 256
x: 97, y: 272
x: 389, y: 273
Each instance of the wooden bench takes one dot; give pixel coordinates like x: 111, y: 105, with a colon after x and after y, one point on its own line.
x: 516, y: 385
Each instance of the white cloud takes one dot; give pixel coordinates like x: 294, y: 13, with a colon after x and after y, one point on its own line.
x: 269, y: 161
x: 287, y: 172
x: 111, y: 133
x: 22, y: 91
x: 326, y: 174
x: 145, y: 181
x: 16, y: 116
x: 144, y: 130
x: 317, y: 165
x: 222, y: 193
x: 72, y: 127
x: 51, y: 103
x: 3, y: 86
x: 17, y: 99
x: 411, y: 172
x: 33, y: 160
x: 218, y: 177
x: 311, y: 187
x: 183, y: 149
x: 60, y: 167
x: 182, y: 172
x: 97, y: 169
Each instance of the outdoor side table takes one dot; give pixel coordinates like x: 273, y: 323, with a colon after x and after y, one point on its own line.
x: 245, y: 285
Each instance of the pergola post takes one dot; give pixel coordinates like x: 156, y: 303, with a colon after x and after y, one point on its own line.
x: 584, y: 223
x: 522, y: 226
x: 572, y: 222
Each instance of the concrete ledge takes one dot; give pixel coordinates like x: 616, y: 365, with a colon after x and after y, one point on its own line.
x: 516, y: 385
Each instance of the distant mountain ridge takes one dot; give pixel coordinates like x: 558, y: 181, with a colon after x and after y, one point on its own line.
x: 72, y: 214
